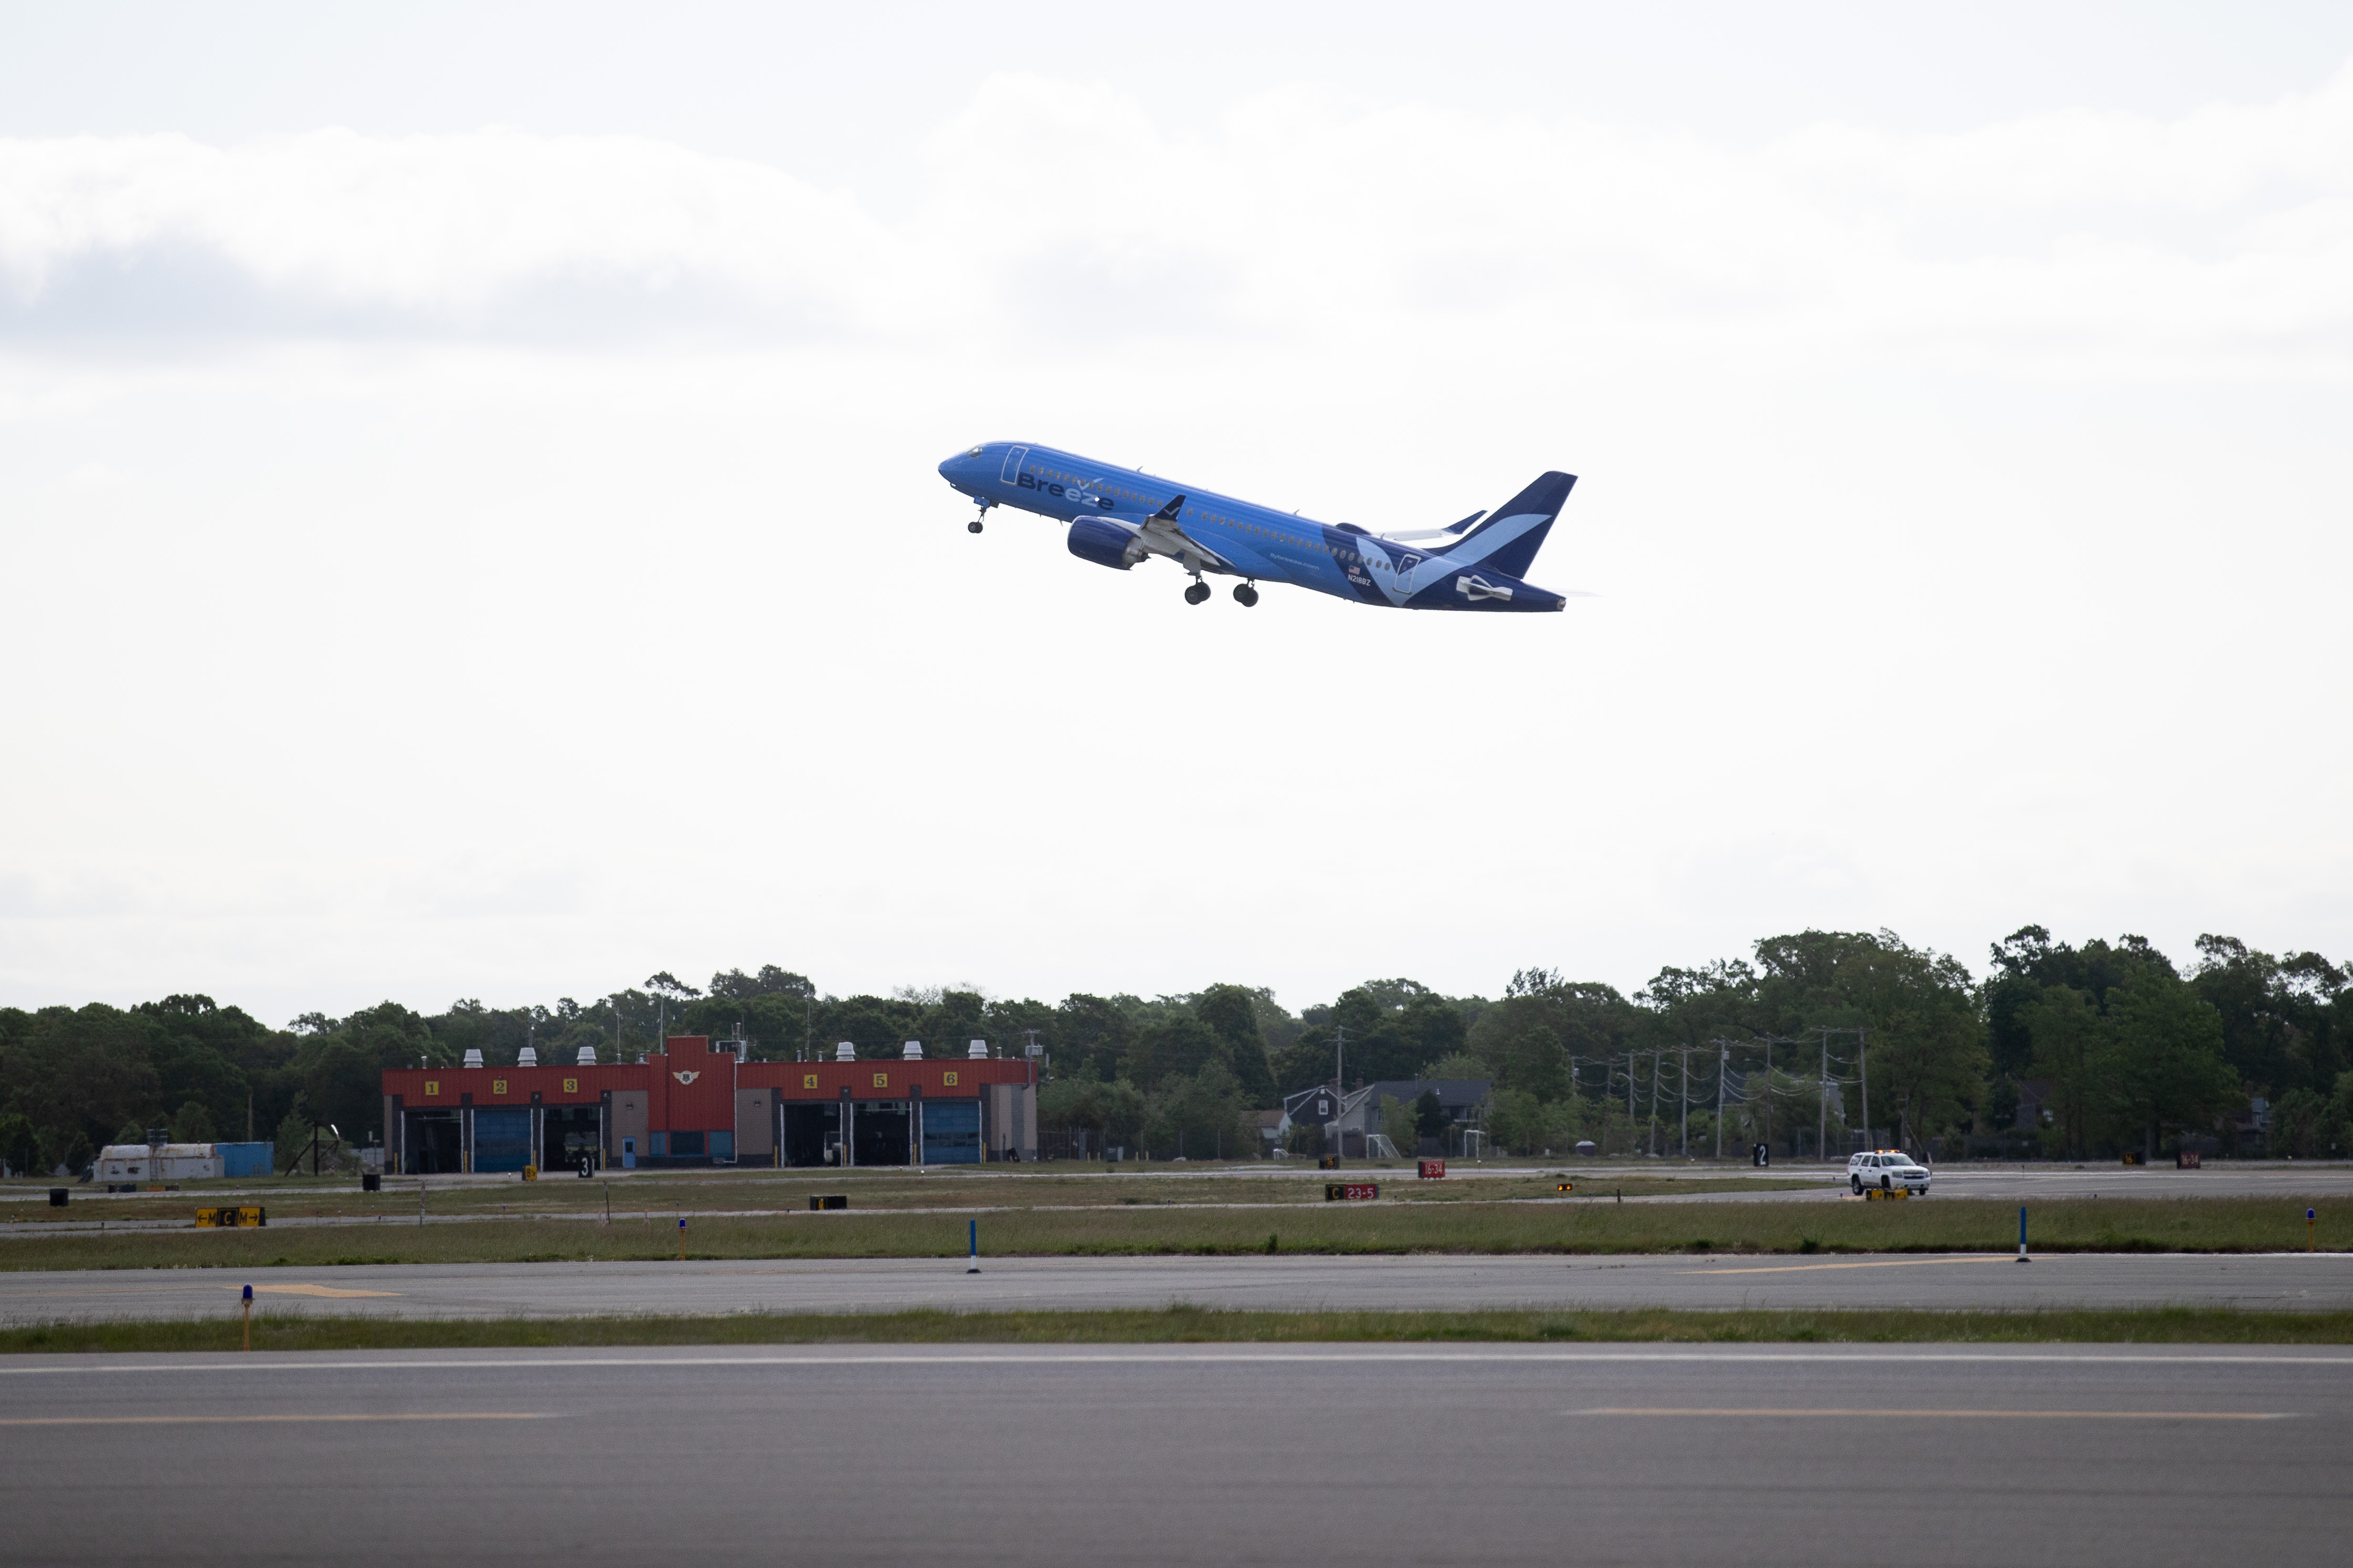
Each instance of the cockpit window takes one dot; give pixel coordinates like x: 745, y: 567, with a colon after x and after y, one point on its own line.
x: 973, y: 453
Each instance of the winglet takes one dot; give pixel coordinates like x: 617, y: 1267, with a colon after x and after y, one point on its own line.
x: 1168, y: 514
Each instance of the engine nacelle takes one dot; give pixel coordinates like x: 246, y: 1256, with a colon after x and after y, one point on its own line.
x: 1106, y: 543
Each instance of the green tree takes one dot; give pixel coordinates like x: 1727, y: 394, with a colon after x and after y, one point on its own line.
x: 2299, y: 1125
x: 2278, y: 1015
x: 1231, y: 1012
x: 19, y: 1146
x: 1176, y: 1046
x: 1114, y: 1112
x: 2163, y: 1067
x: 1396, y: 1124
x: 2065, y: 1031
x: 1201, y: 1115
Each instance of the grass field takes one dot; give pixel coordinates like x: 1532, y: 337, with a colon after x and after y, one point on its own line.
x: 1943, y: 1224
x: 1192, y: 1325
x: 701, y: 1192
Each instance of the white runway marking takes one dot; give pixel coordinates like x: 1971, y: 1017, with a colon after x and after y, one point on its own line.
x: 234, y: 1362
x: 1961, y: 1415
x: 262, y: 1420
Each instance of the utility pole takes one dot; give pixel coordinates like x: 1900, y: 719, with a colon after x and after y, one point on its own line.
x: 1650, y: 1144
x: 1332, y: 1139
x: 1863, y: 1074
x: 1684, y: 1152
x: 1822, y: 1095
x: 1722, y: 1053
x: 1768, y: 1092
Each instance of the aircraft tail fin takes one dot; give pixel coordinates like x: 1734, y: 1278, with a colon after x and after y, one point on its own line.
x: 1509, y: 539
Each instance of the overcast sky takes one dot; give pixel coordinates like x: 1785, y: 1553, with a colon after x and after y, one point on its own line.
x: 470, y: 525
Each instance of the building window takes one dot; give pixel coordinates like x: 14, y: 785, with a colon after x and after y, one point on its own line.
x: 722, y: 1145
x: 685, y: 1145
x: 658, y: 1144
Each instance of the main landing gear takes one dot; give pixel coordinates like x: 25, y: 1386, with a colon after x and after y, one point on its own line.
x: 1198, y: 594
x: 1245, y: 595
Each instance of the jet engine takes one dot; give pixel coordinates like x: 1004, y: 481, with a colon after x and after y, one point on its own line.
x: 1106, y: 543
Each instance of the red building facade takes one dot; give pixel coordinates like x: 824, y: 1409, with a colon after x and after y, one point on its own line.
x: 691, y: 1105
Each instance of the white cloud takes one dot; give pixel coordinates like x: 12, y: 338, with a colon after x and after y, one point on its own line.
x: 2078, y: 243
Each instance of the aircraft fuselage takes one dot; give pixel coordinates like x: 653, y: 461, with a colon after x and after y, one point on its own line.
x: 1118, y: 517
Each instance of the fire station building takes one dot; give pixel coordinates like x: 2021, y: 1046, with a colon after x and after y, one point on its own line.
x: 696, y: 1104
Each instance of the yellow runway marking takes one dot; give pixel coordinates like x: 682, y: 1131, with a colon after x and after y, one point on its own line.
x: 1969, y: 1414
x: 329, y: 1290
x: 1809, y: 1267
x: 261, y: 1420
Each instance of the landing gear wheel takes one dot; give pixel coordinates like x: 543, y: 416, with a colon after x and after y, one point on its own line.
x: 1245, y: 595
x: 1198, y: 594
x: 973, y: 526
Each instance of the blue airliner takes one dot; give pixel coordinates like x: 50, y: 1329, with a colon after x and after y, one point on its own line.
x: 1120, y: 516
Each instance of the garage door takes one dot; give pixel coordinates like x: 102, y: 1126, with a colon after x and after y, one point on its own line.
x: 503, y: 1139
x: 951, y: 1132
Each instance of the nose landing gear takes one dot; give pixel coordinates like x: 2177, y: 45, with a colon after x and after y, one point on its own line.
x: 974, y: 526
x: 1245, y: 594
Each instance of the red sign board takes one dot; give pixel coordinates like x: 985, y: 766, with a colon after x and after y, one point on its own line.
x: 1341, y: 1192
x: 1432, y: 1169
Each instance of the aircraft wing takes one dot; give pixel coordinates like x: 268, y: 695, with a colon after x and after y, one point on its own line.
x: 1164, y: 536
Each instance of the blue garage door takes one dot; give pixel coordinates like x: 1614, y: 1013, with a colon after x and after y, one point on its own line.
x: 501, y: 1139
x: 951, y: 1132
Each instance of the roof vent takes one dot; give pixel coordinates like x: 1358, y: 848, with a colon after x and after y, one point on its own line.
x: 473, y: 1055
x: 845, y: 1052
x: 913, y: 1050
x: 529, y: 1057
x: 978, y: 1050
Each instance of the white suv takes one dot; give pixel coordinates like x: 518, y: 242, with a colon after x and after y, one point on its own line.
x: 1888, y: 1170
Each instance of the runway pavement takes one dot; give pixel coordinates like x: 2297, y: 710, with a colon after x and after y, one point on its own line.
x: 2288, y: 1281
x: 1499, y: 1456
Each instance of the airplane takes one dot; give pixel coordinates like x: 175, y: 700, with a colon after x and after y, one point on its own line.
x: 1119, y: 517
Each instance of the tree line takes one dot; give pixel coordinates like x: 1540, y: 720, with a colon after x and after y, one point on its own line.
x: 2057, y: 1049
